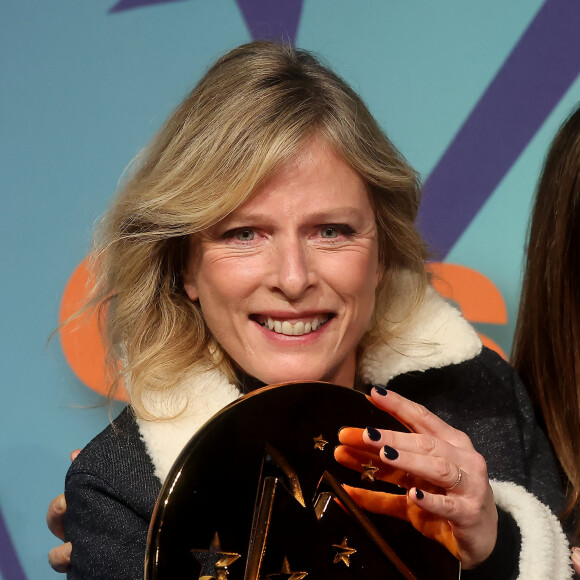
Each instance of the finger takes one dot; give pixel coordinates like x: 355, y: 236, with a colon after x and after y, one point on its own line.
x: 353, y: 437
x: 378, y: 502
x: 368, y: 465
x: 401, y: 507
x: 438, y: 471
x: 443, y: 506
x: 74, y: 454
x: 373, y: 439
x: 55, y: 516
x: 417, y: 418
x: 576, y: 559
x: 59, y: 557
x: 474, y: 525
x: 420, y: 443
x: 430, y: 525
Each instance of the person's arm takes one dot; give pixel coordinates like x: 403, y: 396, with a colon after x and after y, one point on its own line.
x: 576, y: 559
x: 59, y: 556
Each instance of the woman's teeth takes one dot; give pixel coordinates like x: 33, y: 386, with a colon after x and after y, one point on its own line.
x: 294, y: 329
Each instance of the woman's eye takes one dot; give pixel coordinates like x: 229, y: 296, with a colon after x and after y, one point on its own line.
x: 244, y: 235
x: 240, y: 234
x: 329, y: 232
x: 334, y: 231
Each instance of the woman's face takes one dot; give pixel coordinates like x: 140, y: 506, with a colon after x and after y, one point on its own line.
x: 286, y: 283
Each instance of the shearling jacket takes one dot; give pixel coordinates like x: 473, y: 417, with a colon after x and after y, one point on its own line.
x: 436, y: 359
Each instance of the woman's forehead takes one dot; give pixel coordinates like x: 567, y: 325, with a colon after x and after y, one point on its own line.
x: 316, y: 175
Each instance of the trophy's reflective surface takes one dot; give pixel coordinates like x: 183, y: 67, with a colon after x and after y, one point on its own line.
x: 257, y: 495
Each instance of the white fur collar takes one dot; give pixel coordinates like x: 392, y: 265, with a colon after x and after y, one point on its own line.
x: 435, y: 335
x: 199, y: 397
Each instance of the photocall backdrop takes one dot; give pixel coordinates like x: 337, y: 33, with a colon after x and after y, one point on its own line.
x: 471, y: 92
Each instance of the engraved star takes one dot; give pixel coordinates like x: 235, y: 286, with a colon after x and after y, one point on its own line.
x: 343, y: 552
x: 214, y: 562
x: 286, y: 573
x: 319, y: 442
x: 369, y: 471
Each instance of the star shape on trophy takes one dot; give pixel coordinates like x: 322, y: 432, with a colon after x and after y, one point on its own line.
x: 214, y: 562
x: 343, y: 552
x: 286, y: 573
x: 369, y: 471
x: 320, y: 443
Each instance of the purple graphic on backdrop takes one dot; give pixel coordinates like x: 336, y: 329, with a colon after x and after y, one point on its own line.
x: 272, y: 19
x: 531, y: 82
x: 130, y: 4
x: 265, y: 19
x: 10, y: 567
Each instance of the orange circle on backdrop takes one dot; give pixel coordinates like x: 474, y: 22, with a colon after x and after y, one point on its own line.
x: 80, y: 337
x: 477, y: 296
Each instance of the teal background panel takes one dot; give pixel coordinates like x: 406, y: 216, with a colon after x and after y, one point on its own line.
x: 494, y: 241
x: 420, y: 66
x: 84, y: 89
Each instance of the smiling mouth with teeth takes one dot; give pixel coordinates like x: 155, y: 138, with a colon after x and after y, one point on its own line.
x: 297, y: 328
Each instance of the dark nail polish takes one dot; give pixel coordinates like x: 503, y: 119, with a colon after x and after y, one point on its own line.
x: 374, y: 434
x: 381, y: 390
x: 390, y: 453
x: 419, y: 494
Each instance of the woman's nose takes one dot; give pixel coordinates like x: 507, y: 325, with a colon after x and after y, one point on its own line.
x: 294, y: 273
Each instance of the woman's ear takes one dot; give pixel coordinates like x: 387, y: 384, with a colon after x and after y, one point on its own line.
x: 189, y: 285
x: 380, y: 273
x: 187, y: 273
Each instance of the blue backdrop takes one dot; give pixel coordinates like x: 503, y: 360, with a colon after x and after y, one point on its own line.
x: 471, y: 92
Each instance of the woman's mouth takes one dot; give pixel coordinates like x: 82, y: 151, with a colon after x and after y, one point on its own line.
x: 294, y: 328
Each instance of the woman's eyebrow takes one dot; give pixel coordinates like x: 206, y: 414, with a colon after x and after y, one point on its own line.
x: 323, y: 215
x: 336, y: 213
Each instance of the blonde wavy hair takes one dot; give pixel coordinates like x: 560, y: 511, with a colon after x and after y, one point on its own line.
x: 248, y: 115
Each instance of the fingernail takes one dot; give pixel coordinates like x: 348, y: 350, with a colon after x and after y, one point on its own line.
x: 419, y: 494
x: 381, y: 390
x: 61, y: 504
x: 390, y: 453
x: 374, y: 434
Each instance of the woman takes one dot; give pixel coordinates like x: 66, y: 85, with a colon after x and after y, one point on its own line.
x: 266, y: 235
x: 547, y: 340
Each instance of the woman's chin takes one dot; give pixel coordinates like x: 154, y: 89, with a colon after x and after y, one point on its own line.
x: 276, y: 379
x: 297, y: 375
